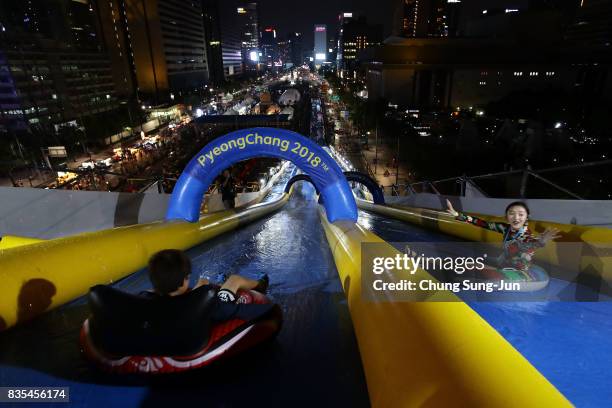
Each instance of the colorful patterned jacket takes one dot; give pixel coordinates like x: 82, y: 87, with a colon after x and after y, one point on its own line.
x: 519, y: 246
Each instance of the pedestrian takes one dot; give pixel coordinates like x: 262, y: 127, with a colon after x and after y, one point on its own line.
x: 228, y: 190
x: 394, y: 191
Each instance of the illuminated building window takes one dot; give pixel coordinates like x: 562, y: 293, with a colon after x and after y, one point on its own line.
x: 483, y: 82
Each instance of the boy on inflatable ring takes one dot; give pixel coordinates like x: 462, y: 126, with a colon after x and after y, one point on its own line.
x: 170, y: 269
x: 173, y: 328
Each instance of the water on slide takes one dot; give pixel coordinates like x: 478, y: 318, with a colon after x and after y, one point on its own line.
x: 314, y: 358
x: 570, y: 343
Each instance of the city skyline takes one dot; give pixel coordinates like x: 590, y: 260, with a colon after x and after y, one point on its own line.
x: 94, y: 57
x: 273, y: 12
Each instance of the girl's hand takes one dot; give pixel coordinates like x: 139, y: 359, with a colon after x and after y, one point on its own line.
x: 550, y: 234
x: 450, y: 209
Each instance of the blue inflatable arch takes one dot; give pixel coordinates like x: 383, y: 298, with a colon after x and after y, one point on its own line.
x: 244, y: 144
x: 377, y: 194
x: 361, y: 178
x: 296, y: 178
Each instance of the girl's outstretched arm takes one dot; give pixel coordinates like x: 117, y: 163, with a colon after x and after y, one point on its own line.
x: 490, y: 225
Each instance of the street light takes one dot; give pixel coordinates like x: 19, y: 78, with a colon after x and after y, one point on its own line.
x: 376, y: 149
x: 397, y: 160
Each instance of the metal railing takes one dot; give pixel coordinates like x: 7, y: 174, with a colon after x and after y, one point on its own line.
x: 464, y: 180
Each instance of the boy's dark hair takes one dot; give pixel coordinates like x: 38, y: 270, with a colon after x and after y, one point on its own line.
x: 168, y: 269
x: 517, y: 204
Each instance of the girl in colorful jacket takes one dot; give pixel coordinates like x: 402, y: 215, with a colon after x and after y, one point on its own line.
x: 519, y: 244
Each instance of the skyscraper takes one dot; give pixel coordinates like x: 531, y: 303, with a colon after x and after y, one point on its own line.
x: 297, y: 50
x: 231, y: 37
x: 52, y: 68
x: 113, y: 27
x: 406, y: 20
x: 212, y: 33
x: 356, y: 35
x: 343, y: 19
x: 592, y: 25
x: 284, y: 50
x: 168, y: 46
x: 248, y: 21
x: 320, y: 43
x: 332, y: 48
x: 269, y: 46
x: 426, y: 18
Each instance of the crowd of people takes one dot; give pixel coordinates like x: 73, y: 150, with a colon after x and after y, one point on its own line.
x: 137, y: 167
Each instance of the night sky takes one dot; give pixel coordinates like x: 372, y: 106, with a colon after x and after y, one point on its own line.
x: 290, y: 16
x: 301, y: 16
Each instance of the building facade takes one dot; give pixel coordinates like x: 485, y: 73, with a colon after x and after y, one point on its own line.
x: 296, y: 48
x: 53, y: 67
x: 356, y: 35
x: 247, y: 18
x: 592, y: 25
x: 231, y: 38
x: 212, y: 33
x: 427, y: 18
x: 434, y: 73
x: 320, y: 43
x: 269, y: 46
x: 284, y: 51
x: 169, y: 47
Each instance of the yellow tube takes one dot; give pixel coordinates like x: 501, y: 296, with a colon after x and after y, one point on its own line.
x: 586, y: 250
x: 434, y: 354
x: 13, y: 241
x: 41, y: 276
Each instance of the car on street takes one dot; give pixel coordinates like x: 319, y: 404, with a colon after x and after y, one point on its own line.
x: 87, y: 165
x: 105, y: 163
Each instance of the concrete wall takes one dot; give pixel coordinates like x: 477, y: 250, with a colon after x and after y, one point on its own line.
x: 42, y: 213
x: 38, y: 213
x: 398, y: 85
x: 395, y: 84
x: 580, y: 212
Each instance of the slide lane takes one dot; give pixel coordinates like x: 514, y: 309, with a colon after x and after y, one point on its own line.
x: 314, y: 358
x: 568, y: 342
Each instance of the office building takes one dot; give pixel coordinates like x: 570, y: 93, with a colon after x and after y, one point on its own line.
x: 427, y: 18
x: 231, y: 38
x: 169, y: 47
x: 320, y: 43
x: 212, y: 33
x: 297, y: 48
x: 356, y: 36
x: 248, y: 22
x: 269, y: 46
x: 53, y: 70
